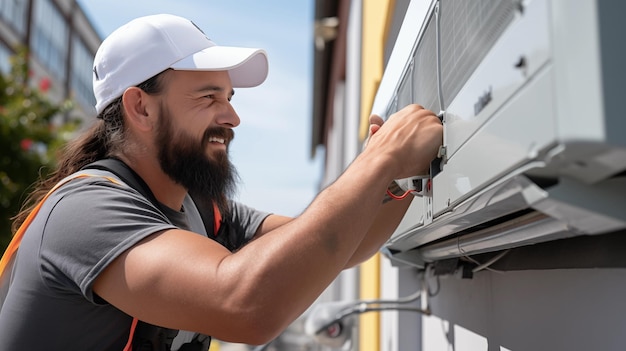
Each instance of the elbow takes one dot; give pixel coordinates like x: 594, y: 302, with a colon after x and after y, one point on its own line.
x: 260, y: 330
x: 253, y: 319
x: 256, y: 307
x: 259, y: 338
x: 360, y: 257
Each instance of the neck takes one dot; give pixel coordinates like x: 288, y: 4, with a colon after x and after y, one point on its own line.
x: 166, y: 191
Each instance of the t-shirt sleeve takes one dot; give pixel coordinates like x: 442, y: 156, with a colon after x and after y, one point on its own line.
x: 249, y: 218
x: 239, y: 228
x: 90, y: 223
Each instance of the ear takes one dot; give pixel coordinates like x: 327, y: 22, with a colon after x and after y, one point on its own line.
x: 135, y: 102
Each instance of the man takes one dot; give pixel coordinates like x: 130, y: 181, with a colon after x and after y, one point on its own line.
x: 99, y: 253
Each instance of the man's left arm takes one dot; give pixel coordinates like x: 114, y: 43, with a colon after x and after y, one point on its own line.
x: 386, y: 222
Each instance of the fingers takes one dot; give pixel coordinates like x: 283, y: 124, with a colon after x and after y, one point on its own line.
x: 376, y: 120
x: 412, y: 136
x: 414, y: 109
x: 375, y: 123
x: 422, y: 114
x: 374, y: 128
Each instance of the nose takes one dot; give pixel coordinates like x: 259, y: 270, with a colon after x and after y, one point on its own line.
x: 228, y: 117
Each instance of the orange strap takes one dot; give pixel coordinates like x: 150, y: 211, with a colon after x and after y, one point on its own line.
x: 129, y: 343
x: 11, y: 250
x: 217, y: 219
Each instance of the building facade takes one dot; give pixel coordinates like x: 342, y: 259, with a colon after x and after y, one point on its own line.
x: 61, y: 41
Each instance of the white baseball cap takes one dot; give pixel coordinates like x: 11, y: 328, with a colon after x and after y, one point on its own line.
x: 148, y: 45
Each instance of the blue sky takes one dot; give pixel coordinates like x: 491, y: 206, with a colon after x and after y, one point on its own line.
x: 272, y: 145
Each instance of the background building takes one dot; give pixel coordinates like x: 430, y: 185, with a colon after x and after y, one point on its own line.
x: 353, y: 40
x: 62, y: 43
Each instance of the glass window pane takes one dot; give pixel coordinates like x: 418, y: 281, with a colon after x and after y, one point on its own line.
x: 13, y: 13
x: 50, y: 38
x: 81, y: 75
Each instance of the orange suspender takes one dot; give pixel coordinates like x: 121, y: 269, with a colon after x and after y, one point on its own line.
x: 217, y: 219
x: 11, y: 250
x: 129, y: 343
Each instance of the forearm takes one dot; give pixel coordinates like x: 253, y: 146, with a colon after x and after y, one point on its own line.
x: 385, y: 223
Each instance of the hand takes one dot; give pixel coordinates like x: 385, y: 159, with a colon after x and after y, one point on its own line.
x: 410, y: 137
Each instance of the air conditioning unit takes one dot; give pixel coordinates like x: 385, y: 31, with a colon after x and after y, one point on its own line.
x: 533, y: 95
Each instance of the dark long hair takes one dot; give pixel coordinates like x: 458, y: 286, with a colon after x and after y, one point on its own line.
x: 104, y: 139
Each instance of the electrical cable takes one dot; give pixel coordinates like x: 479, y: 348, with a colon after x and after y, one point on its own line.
x: 413, y: 297
x: 398, y: 197
x: 429, y: 269
x: 480, y: 266
x: 384, y: 305
x: 363, y: 308
x: 490, y: 262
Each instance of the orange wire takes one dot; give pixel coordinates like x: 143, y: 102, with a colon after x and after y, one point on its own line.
x: 398, y: 197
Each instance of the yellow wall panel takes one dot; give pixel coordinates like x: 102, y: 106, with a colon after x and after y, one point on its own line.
x: 369, y: 323
x: 375, y: 17
x: 376, y: 14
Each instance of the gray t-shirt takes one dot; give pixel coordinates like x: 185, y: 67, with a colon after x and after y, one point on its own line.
x: 79, y: 231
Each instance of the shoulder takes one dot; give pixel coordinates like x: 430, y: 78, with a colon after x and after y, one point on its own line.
x: 99, y: 196
x: 91, y: 183
x: 240, y: 211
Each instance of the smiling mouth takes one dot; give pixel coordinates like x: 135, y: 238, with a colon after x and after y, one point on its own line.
x: 218, y: 136
x: 217, y: 140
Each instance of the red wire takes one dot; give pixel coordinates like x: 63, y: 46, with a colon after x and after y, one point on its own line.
x: 398, y: 197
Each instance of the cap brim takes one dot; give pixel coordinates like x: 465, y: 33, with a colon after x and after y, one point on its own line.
x: 247, y: 67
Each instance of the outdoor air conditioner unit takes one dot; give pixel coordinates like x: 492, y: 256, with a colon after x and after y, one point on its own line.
x: 533, y: 97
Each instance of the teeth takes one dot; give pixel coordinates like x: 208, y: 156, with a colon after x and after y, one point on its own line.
x: 216, y: 140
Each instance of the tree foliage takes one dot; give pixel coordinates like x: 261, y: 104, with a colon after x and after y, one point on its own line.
x: 30, y: 133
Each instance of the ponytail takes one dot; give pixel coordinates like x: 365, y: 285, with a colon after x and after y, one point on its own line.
x: 87, y: 148
x: 104, y: 139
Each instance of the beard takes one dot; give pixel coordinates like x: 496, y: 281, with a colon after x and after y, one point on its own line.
x: 184, y: 159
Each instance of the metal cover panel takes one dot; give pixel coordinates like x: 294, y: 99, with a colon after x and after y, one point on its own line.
x: 425, y: 69
x: 468, y: 30
x: 508, y: 140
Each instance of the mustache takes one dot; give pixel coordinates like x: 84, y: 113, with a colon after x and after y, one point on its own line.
x: 218, y: 132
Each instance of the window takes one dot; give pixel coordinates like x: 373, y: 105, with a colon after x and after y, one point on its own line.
x: 81, y: 74
x: 50, y: 38
x: 13, y: 12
